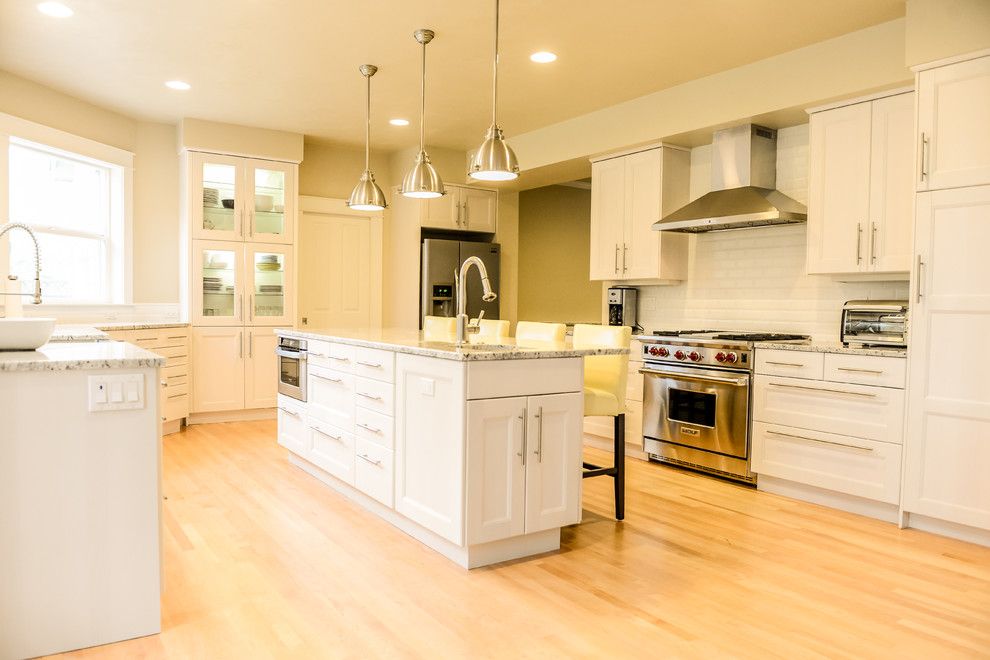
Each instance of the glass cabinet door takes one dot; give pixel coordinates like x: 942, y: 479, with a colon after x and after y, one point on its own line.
x: 268, y: 269
x: 270, y: 209
x: 218, y: 196
x: 217, y: 283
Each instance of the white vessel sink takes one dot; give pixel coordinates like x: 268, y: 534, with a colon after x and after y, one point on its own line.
x: 25, y: 334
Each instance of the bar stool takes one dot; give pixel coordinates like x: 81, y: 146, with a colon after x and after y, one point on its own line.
x: 605, y: 379
x: 540, y: 332
x: 439, y: 328
x: 492, y: 329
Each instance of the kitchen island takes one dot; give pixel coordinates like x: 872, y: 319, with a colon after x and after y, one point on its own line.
x: 473, y: 450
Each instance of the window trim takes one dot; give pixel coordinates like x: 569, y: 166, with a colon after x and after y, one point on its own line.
x: 121, y: 284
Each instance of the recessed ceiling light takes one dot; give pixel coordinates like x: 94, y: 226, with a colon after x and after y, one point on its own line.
x: 178, y: 84
x: 543, y: 57
x: 55, y: 9
x: 399, y: 122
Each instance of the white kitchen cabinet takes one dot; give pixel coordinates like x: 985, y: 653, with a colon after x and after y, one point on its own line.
x: 954, y: 134
x: 859, y: 187
x: 260, y: 368
x: 553, y: 466
x: 269, y: 286
x: 330, y: 395
x: 332, y: 449
x: 241, y: 284
x: 630, y: 192
x: 173, y: 344
x: 241, y: 199
x: 234, y: 368
x: 293, y: 432
x: 947, y: 447
x: 463, y: 208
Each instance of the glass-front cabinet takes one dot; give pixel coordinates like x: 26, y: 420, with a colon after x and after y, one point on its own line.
x: 241, y: 284
x: 242, y: 199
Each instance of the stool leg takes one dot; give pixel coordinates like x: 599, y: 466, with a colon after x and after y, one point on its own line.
x: 620, y: 466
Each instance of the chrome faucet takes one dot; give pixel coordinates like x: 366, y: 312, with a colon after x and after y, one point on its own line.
x: 463, y: 327
x: 37, y: 259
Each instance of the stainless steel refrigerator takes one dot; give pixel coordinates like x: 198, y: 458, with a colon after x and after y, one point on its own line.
x: 441, y: 258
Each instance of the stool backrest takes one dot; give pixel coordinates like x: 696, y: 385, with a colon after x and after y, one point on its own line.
x: 493, y: 328
x: 540, y: 332
x: 439, y: 328
x: 605, y: 372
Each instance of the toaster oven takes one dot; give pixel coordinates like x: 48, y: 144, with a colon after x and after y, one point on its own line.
x: 875, y: 323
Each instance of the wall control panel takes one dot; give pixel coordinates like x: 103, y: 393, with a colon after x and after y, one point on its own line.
x: 116, y: 392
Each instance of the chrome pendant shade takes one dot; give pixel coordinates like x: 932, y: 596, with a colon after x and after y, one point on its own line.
x: 494, y: 160
x: 422, y: 181
x: 367, y: 196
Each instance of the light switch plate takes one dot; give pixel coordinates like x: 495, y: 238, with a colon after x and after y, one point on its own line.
x: 116, y: 392
x: 427, y: 386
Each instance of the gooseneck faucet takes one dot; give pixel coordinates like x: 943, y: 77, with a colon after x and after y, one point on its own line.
x: 463, y: 327
x: 37, y: 257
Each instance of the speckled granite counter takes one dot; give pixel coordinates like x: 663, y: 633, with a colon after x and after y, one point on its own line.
x: 77, y: 333
x: 832, y: 347
x: 66, y: 356
x: 138, y: 325
x: 407, y: 341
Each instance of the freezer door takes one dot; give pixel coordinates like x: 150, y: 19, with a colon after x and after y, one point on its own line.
x: 440, y: 260
x: 489, y: 253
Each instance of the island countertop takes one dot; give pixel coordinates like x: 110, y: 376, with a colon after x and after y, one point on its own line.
x: 66, y: 356
x: 412, y: 342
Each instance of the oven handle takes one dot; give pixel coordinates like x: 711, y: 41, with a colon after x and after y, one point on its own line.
x: 737, y: 382
x: 299, y: 355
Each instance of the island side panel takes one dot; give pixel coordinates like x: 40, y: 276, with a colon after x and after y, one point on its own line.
x: 429, y: 443
x: 501, y: 378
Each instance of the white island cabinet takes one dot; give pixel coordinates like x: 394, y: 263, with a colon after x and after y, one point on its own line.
x: 474, y: 451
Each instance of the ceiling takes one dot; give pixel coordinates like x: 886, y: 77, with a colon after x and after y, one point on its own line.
x: 292, y: 65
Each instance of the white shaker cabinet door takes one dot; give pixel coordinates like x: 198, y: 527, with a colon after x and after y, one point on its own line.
x: 640, y: 254
x: 479, y: 210
x: 496, y: 469
x: 947, y: 444
x: 260, y: 368
x: 218, y: 369
x: 553, y: 462
x: 891, y: 187
x: 608, y: 202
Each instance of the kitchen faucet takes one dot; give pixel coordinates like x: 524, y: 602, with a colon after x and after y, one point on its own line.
x: 463, y: 327
x: 37, y: 260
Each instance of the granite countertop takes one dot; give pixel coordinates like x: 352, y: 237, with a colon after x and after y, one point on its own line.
x: 832, y: 347
x: 77, y: 333
x: 138, y: 325
x: 412, y: 342
x: 65, y: 356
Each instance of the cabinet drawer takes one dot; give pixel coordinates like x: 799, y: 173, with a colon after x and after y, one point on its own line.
x: 331, y: 397
x: 865, y: 369
x: 173, y: 337
x: 177, y: 361
x: 341, y: 357
x: 172, y: 351
x: 173, y: 381
x: 847, y: 465
x: 376, y: 364
x: 374, y: 395
x: 794, y: 364
x: 374, y: 426
x: 318, y: 353
x: 859, y: 411
x: 176, y: 371
x: 176, y: 407
x: 293, y: 433
x: 332, y: 449
x: 175, y: 389
x: 373, y: 471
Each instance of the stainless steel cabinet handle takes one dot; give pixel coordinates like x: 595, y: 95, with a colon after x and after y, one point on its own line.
x: 336, y: 357
x: 856, y: 369
x: 367, y: 458
x: 369, y: 428
x: 240, y: 344
x: 373, y: 365
x: 873, y: 243
x: 824, y: 389
x: 522, y: 452
x: 616, y: 257
x: 251, y: 307
x: 918, y: 293
x: 785, y: 364
x: 250, y: 223
x: 164, y: 383
x: 539, y: 434
x: 625, y: 248
x: 320, y: 355
x: 924, y: 156
x: 859, y: 242
x: 322, y: 432
x: 738, y: 382
x: 327, y: 378
x: 369, y: 396
x: 250, y: 344
x: 239, y: 312
x: 466, y: 213
x: 824, y: 442
x: 289, y: 412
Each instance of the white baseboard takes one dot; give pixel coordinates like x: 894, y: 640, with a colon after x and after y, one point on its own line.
x: 946, y: 528
x: 251, y: 415
x: 851, y: 503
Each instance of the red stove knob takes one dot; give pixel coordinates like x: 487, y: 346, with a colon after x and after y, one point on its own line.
x: 663, y: 352
x: 720, y: 356
x: 679, y: 355
x: 731, y: 358
x: 695, y: 356
x: 654, y: 350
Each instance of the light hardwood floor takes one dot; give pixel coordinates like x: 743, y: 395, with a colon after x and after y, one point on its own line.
x: 261, y: 560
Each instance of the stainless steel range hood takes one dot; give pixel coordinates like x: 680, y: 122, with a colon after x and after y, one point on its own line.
x: 744, y: 181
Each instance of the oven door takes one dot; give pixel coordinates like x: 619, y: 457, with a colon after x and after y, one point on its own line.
x: 706, y: 409
x: 292, y: 373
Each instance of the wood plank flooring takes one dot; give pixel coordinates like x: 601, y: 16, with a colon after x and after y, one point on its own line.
x: 262, y: 561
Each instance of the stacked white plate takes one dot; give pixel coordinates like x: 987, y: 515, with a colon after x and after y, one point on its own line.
x: 211, y: 197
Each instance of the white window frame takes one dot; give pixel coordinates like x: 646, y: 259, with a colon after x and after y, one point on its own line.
x: 120, y: 264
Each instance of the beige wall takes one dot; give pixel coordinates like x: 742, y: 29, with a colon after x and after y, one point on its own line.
x: 330, y: 170
x: 936, y: 29
x: 554, y: 256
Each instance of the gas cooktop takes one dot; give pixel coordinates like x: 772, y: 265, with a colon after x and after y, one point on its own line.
x: 730, y: 335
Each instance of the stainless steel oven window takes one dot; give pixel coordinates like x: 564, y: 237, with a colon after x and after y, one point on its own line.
x: 692, y: 407
x: 289, y: 370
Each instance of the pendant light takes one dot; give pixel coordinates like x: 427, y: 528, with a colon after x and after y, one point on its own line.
x: 367, y: 196
x: 494, y: 160
x: 422, y: 180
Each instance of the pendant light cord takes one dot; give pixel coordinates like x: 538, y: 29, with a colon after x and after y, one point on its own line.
x: 495, y: 70
x: 422, y: 105
x: 367, y: 129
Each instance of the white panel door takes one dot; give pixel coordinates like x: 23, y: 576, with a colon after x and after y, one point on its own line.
x: 640, y: 257
x: 218, y: 369
x: 340, y: 269
x: 952, y: 119
x: 839, y: 190
x: 553, y: 463
x: 608, y: 208
x: 260, y: 368
x: 947, y: 444
x: 496, y: 469
x: 891, y: 184
x: 429, y: 444
x: 479, y: 209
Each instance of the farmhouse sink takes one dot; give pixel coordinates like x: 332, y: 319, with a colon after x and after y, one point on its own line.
x: 25, y: 334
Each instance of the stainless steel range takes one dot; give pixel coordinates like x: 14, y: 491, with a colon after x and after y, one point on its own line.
x: 696, y: 398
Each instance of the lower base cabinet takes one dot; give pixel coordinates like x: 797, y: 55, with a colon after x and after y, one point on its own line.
x: 234, y: 368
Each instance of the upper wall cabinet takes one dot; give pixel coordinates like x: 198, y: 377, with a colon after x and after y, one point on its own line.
x: 462, y: 209
x: 630, y: 192
x: 241, y: 199
x: 859, y: 187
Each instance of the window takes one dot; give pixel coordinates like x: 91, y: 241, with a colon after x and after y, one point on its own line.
x: 77, y: 205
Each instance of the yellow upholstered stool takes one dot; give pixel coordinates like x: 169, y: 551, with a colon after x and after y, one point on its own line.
x: 605, y: 394
x: 439, y: 328
x: 491, y: 329
x: 540, y: 332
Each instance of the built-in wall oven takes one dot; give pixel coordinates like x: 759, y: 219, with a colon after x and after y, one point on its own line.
x: 292, y: 367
